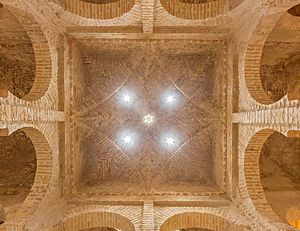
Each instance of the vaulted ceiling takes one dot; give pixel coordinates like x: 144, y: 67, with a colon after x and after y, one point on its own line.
x: 149, y: 115
x: 150, y: 72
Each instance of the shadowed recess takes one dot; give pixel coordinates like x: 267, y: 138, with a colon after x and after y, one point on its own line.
x: 199, y: 9
x: 280, y: 173
x: 295, y: 11
x: 97, y: 9
x: 194, y: 9
x: 17, y: 59
x: 272, y: 66
x: 280, y: 65
x: 98, y: 221
x: 17, y: 170
x: 194, y: 221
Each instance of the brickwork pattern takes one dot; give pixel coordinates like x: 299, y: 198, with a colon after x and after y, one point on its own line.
x: 258, y: 112
x: 42, y: 54
x: 41, y: 181
x: 34, y: 117
x: 194, y: 11
x: 51, y: 203
x: 255, y: 51
x: 204, y: 221
x: 124, y: 217
x: 251, y: 168
x: 105, y: 121
x: 95, y: 10
x: 17, y: 152
x: 94, y: 220
x: 17, y: 69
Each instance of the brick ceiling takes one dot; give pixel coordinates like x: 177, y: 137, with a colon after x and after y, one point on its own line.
x: 147, y: 71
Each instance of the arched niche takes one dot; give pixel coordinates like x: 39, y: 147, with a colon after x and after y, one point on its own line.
x: 199, y: 221
x: 17, y: 59
x: 263, y: 175
x: 273, y: 43
x: 26, y: 170
x: 94, y: 221
x: 97, y: 9
x: 17, y: 171
x: 272, y: 74
x: 280, y: 63
x: 194, y: 9
x: 280, y: 173
x: 199, y: 9
x: 25, y: 61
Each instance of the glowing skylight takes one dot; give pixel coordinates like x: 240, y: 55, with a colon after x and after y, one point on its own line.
x: 148, y: 119
x: 170, y: 99
x: 170, y: 141
x: 127, y: 140
x: 126, y: 98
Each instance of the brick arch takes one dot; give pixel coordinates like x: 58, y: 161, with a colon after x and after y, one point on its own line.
x: 196, y: 10
x: 43, y: 62
x: 199, y: 220
x: 41, y: 181
x: 255, y: 50
x: 97, y: 219
x: 252, y: 175
x: 108, y: 9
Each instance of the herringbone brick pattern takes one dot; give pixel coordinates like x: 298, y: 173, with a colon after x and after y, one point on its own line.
x: 148, y: 71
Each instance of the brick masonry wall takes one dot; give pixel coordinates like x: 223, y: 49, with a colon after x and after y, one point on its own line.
x: 42, y: 33
x: 45, y: 207
x: 167, y: 218
x: 252, y: 198
x: 254, y: 116
x: 173, y: 218
x: 82, y: 217
x: 41, y: 51
x: 17, y: 69
x: 250, y: 83
x: 194, y: 11
x: 108, y: 10
x: 38, y: 119
x: 16, y: 152
x: 279, y: 172
x: 132, y: 17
